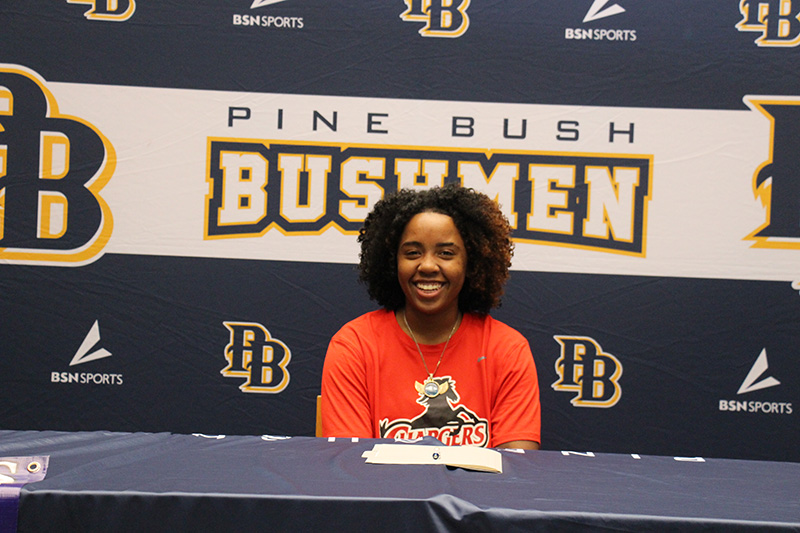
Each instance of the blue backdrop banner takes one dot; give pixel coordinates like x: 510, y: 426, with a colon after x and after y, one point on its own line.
x: 182, y: 183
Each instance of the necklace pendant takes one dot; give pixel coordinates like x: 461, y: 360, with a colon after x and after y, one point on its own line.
x: 431, y: 388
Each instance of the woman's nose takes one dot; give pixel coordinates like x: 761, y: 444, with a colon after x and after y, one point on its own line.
x: 428, y: 263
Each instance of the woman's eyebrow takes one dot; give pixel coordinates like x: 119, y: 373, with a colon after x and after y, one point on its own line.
x: 438, y: 244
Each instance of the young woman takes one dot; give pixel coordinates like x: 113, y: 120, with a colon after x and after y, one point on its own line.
x: 433, y: 362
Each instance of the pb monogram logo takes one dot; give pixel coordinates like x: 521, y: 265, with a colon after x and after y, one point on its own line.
x: 253, y: 354
x: 442, y: 18
x: 586, y: 370
x: 108, y: 10
x: 52, y: 168
x: 778, y: 21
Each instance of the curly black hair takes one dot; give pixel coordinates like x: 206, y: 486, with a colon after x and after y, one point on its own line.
x: 483, y: 227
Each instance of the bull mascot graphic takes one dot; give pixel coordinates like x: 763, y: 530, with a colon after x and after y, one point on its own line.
x: 443, y: 418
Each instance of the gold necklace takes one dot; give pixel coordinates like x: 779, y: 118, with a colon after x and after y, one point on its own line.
x: 430, y: 387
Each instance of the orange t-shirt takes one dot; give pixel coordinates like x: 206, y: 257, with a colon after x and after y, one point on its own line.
x: 488, y: 389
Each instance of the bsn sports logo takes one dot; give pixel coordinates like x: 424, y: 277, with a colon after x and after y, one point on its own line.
x: 262, y: 3
x: 755, y: 381
x: 600, y: 9
x: 108, y: 10
x: 442, y: 18
x: 778, y: 21
x: 52, y: 168
x: 267, y: 21
x: 583, y: 368
x: 442, y: 418
x: 253, y: 354
x: 777, y: 181
x: 89, y: 350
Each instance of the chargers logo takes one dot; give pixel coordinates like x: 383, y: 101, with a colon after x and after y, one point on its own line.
x: 52, y: 168
x: 584, y: 368
x: 777, y: 181
x: 778, y: 21
x: 442, y: 18
x: 253, y: 354
x: 442, y: 418
x: 108, y: 10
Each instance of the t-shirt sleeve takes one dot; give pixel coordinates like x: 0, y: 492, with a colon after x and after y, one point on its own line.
x: 516, y: 413
x: 345, y: 403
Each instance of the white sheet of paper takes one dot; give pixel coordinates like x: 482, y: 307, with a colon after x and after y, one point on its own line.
x: 469, y: 457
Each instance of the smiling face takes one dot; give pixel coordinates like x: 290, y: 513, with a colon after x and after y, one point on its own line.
x: 431, y: 265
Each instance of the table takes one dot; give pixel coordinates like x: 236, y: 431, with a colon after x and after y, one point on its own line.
x: 103, y: 481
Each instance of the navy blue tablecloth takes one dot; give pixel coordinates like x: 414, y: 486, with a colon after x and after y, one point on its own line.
x: 102, y: 481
